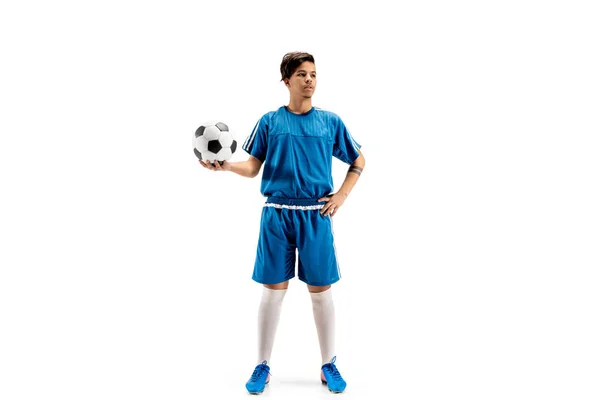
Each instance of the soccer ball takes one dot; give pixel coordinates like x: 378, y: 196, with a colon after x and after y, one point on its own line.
x: 213, y: 142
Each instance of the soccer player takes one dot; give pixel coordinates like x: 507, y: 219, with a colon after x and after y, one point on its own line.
x: 296, y: 145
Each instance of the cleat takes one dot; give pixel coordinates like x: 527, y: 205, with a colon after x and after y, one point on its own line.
x: 258, y: 380
x: 331, y: 377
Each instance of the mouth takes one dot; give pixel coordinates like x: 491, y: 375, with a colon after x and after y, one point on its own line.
x: 308, y: 87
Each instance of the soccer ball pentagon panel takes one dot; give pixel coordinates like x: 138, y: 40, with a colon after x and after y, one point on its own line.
x: 214, y: 142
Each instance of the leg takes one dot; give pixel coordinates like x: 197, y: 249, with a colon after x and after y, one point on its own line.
x: 318, y: 268
x: 274, y: 266
x: 268, y: 318
x: 324, y: 314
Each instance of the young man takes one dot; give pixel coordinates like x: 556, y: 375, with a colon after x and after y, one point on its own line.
x: 296, y: 144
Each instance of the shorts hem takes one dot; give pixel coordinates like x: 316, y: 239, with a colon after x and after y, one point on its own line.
x: 266, y: 282
x: 319, y: 284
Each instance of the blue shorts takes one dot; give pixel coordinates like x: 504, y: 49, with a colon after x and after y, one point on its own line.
x: 295, y: 225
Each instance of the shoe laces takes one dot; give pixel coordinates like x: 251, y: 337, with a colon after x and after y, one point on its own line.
x: 259, y: 371
x: 332, y: 369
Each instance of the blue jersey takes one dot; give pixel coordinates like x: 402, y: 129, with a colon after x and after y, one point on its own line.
x: 297, y: 151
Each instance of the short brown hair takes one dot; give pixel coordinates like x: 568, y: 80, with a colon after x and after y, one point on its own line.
x: 291, y: 61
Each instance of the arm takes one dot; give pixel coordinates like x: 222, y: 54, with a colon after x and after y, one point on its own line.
x: 248, y: 168
x: 335, y: 201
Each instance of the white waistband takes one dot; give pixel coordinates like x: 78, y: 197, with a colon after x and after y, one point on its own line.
x: 295, y: 207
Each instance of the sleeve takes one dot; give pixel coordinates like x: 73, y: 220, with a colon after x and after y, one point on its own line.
x: 256, y: 143
x: 345, y: 148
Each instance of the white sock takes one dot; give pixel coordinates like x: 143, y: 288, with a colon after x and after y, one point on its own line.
x: 268, y: 318
x: 324, y: 314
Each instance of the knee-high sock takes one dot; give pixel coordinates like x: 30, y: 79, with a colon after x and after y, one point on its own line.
x: 268, y: 319
x: 324, y: 313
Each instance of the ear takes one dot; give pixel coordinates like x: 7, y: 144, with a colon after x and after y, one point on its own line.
x: 286, y: 81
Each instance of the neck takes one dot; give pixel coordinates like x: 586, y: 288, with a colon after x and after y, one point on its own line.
x: 300, y: 106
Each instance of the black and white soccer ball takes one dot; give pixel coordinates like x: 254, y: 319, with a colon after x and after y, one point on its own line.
x: 213, y: 142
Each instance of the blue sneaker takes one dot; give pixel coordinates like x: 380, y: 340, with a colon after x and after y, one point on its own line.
x: 258, y: 380
x: 331, y: 376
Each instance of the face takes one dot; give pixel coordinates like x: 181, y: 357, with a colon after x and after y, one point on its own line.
x: 303, y: 81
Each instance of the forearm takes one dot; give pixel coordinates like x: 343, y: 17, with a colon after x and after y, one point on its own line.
x: 246, y: 169
x: 348, y: 184
x: 352, y: 176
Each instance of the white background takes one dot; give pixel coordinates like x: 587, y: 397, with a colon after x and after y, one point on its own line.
x: 469, y: 248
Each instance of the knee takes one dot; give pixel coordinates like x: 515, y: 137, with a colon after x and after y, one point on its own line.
x: 317, y: 289
x: 278, y: 286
